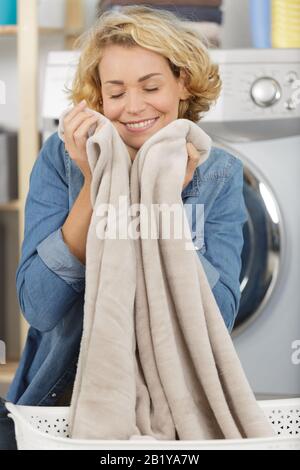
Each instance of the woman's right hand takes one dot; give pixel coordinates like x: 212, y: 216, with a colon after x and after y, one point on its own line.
x: 76, y: 125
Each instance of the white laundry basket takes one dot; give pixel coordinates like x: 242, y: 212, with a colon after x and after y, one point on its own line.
x: 43, y: 428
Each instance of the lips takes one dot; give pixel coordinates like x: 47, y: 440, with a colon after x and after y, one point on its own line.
x: 140, y: 120
x: 142, y: 129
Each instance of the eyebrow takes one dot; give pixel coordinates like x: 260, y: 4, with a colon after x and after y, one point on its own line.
x: 120, y: 82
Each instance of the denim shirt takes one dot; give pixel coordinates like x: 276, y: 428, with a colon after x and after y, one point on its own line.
x: 50, y: 280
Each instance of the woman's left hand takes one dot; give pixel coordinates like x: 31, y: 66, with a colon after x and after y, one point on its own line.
x: 194, y: 159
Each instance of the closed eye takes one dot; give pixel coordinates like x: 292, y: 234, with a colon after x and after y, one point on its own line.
x: 118, y: 96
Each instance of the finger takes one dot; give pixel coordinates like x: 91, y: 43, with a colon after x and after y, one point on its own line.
x: 77, y: 121
x: 195, y: 154
x: 79, y: 107
x: 192, y: 151
x: 193, y: 158
x: 192, y: 164
x: 81, y: 134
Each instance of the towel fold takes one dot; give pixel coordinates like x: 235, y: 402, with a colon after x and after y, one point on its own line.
x: 211, y: 31
x: 207, y: 3
x: 156, y: 359
x: 188, y: 12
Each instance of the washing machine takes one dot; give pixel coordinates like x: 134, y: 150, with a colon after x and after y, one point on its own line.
x: 257, y: 119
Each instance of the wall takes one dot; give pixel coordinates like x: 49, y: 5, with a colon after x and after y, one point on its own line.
x: 8, y: 73
x: 236, y: 27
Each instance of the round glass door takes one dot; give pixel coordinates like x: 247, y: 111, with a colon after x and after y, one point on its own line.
x: 262, y: 245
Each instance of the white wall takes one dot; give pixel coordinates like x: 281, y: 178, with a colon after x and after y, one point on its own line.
x: 9, y: 112
x: 90, y: 9
x: 8, y: 74
x: 236, y: 26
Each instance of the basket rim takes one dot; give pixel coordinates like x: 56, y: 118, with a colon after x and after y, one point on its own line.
x: 264, y: 404
x: 15, y: 414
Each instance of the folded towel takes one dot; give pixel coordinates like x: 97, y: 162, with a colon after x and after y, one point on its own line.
x: 208, y: 3
x: 211, y: 31
x: 156, y: 359
x: 188, y: 12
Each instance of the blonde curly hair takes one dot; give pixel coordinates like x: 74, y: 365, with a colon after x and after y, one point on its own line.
x: 160, y: 31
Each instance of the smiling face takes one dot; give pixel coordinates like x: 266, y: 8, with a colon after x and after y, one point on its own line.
x: 149, y: 92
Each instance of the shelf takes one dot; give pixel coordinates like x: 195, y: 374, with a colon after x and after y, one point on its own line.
x: 51, y: 30
x: 13, y: 30
x: 11, y: 206
x: 8, y: 30
x: 7, y: 372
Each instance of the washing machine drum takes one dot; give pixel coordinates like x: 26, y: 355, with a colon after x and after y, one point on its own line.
x: 260, y: 253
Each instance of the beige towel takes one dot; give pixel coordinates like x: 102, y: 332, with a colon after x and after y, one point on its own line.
x: 156, y: 358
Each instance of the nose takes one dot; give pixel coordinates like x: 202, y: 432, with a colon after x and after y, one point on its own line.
x: 135, y: 103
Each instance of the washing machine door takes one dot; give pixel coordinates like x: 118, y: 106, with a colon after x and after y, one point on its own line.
x: 261, y: 251
x: 262, y: 244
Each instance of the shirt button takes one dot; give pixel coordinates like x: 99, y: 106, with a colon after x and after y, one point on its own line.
x: 53, y: 395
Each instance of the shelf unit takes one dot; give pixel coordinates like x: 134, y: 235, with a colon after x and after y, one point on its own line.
x: 7, y: 372
x: 27, y: 33
x: 13, y: 30
x: 7, y: 30
x: 11, y: 205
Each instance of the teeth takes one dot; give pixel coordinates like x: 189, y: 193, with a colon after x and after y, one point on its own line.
x: 140, y: 124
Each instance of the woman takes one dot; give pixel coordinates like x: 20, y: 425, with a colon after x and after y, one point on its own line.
x: 136, y: 65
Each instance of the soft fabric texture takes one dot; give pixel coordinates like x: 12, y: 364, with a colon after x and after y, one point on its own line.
x: 151, y: 3
x: 174, y: 4
x: 211, y: 31
x: 187, y: 12
x: 156, y: 358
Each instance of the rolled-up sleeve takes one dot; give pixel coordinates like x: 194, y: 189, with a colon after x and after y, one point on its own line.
x: 49, y: 278
x: 56, y: 254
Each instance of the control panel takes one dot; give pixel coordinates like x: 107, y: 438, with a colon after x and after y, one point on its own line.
x: 256, y: 90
